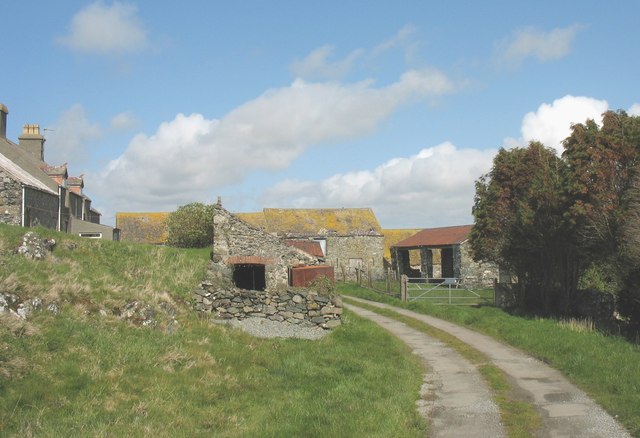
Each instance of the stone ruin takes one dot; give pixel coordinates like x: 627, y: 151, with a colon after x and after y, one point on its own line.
x: 249, y: 277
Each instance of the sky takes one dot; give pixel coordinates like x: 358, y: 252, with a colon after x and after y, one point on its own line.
x: 399, y: 106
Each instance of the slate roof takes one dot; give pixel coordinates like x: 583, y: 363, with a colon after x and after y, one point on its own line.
x: 22, y: 176
x: 29, y: 164
x: 316, y: 222
x: 434, y: 237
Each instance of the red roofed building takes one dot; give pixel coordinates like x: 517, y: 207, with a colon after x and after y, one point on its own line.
x: 452, y: 244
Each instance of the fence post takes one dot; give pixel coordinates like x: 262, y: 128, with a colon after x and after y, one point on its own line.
x: 403, y: 287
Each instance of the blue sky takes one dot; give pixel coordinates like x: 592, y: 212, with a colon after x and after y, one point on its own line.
x: 397, y: 106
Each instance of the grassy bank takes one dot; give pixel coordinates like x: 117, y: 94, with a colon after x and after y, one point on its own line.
x: 86, y: 372
x: 606, y: 367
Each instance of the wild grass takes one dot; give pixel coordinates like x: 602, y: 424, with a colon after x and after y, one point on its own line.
x: 104, y: 378
x: 79, y: 373
x: 605, y: 367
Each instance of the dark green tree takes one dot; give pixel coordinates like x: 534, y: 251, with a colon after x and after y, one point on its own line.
x: 604, y: 191
x: 191, y: 226
x: 520, y: 225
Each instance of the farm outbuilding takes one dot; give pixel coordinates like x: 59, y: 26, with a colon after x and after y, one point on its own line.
x: 449, y: 245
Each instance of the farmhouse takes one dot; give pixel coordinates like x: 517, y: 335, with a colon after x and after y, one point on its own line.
x: 34, y: 193
x: 451, y: 246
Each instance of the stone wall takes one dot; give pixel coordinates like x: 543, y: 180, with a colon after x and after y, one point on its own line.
x: 475, y: 274
x: 297, y: 306
x: 349, y: 253
x: 10, y: 200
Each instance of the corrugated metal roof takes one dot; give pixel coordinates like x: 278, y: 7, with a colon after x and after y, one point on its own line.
x: 433, y: 237
x: 22, y: 175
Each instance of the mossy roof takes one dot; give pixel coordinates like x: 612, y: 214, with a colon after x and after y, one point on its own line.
x: 255, y: 219
x: 393, y: 236
x: 143, y: 227
x: 321, y: 222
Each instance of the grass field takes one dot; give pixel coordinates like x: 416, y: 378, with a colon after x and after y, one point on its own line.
x: 605, y: 367
x: 84, y: 372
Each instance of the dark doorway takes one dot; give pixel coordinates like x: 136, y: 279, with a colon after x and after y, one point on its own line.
x: 249, y: 277
x: 447, y: 262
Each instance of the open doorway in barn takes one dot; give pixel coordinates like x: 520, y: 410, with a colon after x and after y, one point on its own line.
x: 249, y: 276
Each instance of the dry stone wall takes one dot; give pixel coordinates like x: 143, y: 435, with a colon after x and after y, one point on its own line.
x: 297, y: 306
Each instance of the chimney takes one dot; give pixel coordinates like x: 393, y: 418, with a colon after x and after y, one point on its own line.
x: 3, y: 121
x: 75, y: 184
x: 32, y: 141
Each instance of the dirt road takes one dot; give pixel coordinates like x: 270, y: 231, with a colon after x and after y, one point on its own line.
x: 566, y: 411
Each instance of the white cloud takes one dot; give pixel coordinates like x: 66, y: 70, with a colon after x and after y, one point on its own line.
x: 634, y: 110
x: 432, y: 188
x: 316, y: 65
x: 543, y: 46
x: 401, y: 39
x: 103, y: 29
x: 191, y: 155
x: 69, y: 137
x: 125, y: 121
x: 551, y: 123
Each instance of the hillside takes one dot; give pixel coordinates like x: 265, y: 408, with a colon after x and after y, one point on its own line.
x: 111, y: 346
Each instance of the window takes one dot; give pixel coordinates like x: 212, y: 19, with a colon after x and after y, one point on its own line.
x: 91, y: 235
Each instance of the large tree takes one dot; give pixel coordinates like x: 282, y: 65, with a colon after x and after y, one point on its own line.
x: 602, y: 162
x: 519, y: 224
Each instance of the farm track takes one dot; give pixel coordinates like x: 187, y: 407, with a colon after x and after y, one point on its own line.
x: 565, y: 410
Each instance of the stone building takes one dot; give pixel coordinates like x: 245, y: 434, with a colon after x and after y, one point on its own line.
x: 34, y: 193
x: 253, y: 258
x: 451, y: 246
x: 351, y: 239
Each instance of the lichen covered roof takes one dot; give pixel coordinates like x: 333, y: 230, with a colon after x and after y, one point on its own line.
x: 143, y: 227
x: 434, y: 237
x: 322, y: 222
x: 255, y: 219
x: 393, y: 236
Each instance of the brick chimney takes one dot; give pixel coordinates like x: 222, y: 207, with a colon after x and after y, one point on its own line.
x: 75, y: 184
x: 3, y: 121
x: 32, y: 141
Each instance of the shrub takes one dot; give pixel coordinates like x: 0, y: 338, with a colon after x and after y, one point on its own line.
x: 191, y: 226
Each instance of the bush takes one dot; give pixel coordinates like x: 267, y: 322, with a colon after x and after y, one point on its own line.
x: 191, y: 226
